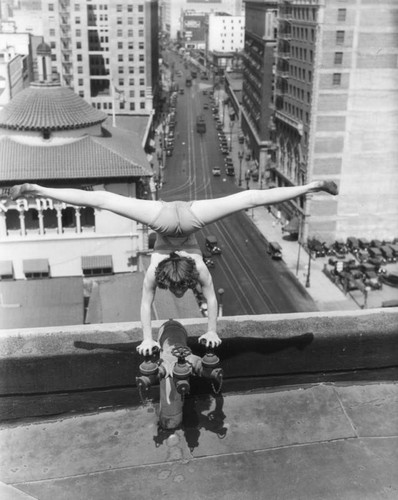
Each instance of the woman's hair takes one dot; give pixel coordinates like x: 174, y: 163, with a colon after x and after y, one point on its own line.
x: 176, y: 270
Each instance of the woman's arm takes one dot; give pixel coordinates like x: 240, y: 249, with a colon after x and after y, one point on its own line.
x: 209, y: 293
x: 148, y: 295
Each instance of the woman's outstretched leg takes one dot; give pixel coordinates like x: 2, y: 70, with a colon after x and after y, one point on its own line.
x: 209, y: 211
x: 142, y: 211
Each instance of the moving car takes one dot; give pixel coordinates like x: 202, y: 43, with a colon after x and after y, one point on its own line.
x: 230, y: 170
x: 275, y: 250
x: 216, y: 171
x: 212, y: 246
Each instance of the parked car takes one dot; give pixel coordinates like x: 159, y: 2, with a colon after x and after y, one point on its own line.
x: 275, y: 250
x: 376, y: 243
x: 394, y: 248
x: 348, y: 281
x: 216, y: 171
x: 363, y: 243
x: 387, y: 253
x: 353, y: 244
x: 371, y: 278
x: 390, y: 279
x: 316, y: 247
x: 375, y: 252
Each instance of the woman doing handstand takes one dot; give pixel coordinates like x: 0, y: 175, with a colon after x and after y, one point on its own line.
x: 176, y: 262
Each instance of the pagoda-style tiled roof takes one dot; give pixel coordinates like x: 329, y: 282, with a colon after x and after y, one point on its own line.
x: 85, y: 158
x: 48, y: 106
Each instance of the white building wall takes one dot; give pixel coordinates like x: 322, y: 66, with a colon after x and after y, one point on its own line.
x: 226, y: 33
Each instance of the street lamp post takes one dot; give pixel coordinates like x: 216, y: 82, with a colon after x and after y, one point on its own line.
x: 247, y: 179
x: 307, y: 281
x: 231, y: 126
x: 240, y: 156
x: 220, y: 303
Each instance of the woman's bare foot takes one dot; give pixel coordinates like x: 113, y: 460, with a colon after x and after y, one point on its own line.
x: 327, y: 186
x: 22, y: 190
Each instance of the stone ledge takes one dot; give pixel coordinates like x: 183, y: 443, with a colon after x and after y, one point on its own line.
x: 82, y: 359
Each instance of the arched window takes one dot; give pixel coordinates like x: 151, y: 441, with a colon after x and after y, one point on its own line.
x: 12, y: 220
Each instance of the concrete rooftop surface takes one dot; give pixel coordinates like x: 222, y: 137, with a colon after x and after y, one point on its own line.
x: 322, y: 441
x: 301, y: 415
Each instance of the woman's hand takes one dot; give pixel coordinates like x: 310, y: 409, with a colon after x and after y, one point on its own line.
x: 147, y: 346
x: 211, y: 339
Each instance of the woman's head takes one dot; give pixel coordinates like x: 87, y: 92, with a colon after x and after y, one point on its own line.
x: 177, y: 274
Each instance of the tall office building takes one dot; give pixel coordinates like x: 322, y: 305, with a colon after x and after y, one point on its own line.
x: 106, y: 51
x: 258, y: 78
x: 172, y: 12
x: 336, y: 113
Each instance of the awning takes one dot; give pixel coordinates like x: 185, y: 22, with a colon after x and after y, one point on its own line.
x: 6, y: 268
x: 292, y: 226
x: 35, y: 266
x: 97, y: 261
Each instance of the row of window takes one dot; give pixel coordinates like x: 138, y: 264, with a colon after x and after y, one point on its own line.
x: 122, y: 105
x: 309, y: 14
x: 300, y: 73
x: 301, y: 33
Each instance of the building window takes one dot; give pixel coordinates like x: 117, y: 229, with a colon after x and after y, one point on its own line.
x: 142, y: 105
x: 131, y: 70
x: 119, y: 32
x: 338, y: 58
x: 129, y: 8
x: 142, y: 81
x: 142, y: 70
x: 52, y: 45
x: 140, y: 8
x: 131, y: 81
x: 79, y: 57
x: 120, y: 45
x: 78, y: 32
x: 130, y: 20
x: 132, y: 93
x: 81, y: 93
x: 121, y: 105
x: 341, y: 14
x: 121, y: 81
x: 77, y: 20
x: 51, y: 7
x: 120, y: 70
x: 119, y: 20
x: 52, y: 32
x: 142, y: 93
x: 340, y: 37
x: 336, y: 78
x: 119, y: 7
x: 141, y: 57
x: 130, y: 33
x: 131, y: 45
x: 131, y: 57
x: 80, y: 82
x: 132, y: 106
x: 78, y: 45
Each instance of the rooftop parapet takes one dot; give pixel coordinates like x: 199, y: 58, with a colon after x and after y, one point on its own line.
x: 47, y: 371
